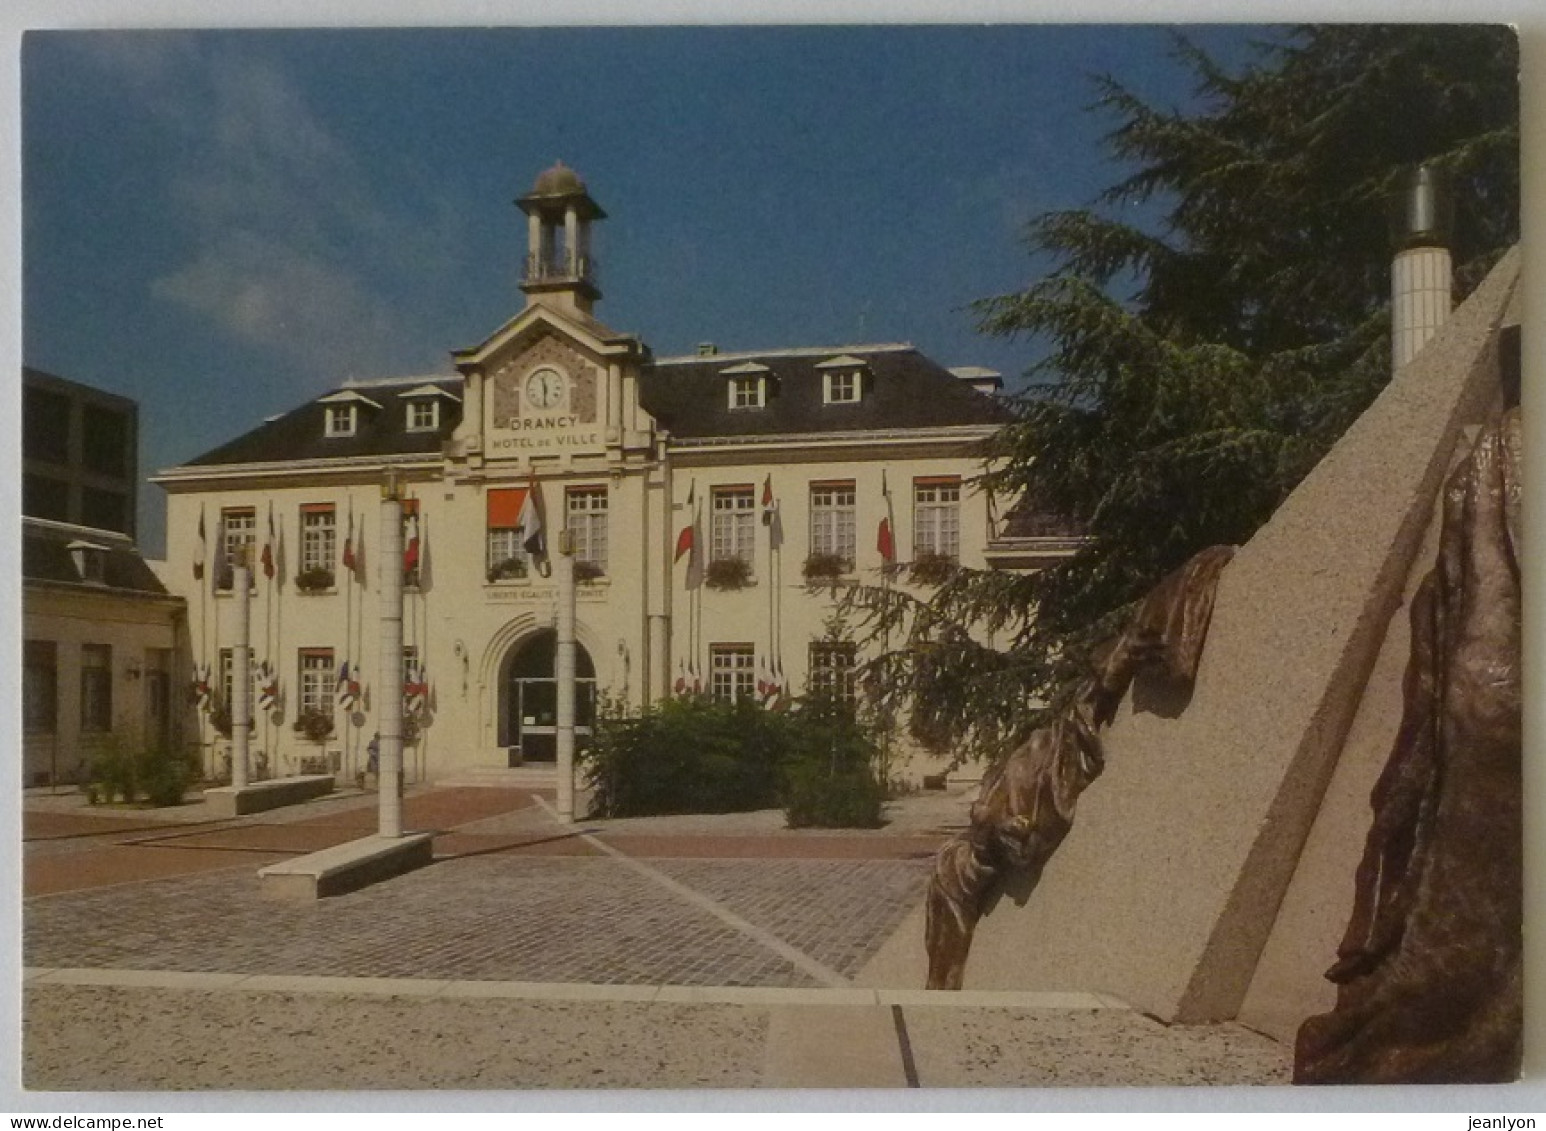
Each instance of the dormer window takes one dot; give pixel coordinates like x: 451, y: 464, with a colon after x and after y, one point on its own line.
x: 842, y: 388
x: 423, y: 416
x: 842, y: 380
x: 747, y: 392
x: 747, y: 384
x: 341, y: 412
x: 342, y: 420
x: 421, y: 407
x: 90, y: 561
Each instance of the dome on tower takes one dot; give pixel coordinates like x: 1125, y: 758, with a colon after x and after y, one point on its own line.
x: 560, y: 180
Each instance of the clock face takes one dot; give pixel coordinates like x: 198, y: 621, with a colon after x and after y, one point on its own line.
x: 544, y: 388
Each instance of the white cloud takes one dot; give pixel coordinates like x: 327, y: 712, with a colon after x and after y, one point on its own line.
x: 292, y: 250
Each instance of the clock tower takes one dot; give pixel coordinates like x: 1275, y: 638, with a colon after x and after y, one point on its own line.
x: 559, y: 266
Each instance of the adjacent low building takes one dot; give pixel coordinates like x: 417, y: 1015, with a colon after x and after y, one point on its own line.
x: 700, y: 496
x: 103, y: 645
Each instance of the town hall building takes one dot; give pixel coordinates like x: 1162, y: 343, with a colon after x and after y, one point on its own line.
x: 710, y: 502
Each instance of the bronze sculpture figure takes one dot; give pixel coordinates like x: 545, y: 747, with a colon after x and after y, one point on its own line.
x: 1429, y: 970
x: 1026, y: 804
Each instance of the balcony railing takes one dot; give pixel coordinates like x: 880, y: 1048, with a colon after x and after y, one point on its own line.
x: 562, y: 269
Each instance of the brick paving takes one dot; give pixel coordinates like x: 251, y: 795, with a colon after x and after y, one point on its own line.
x: 498, y: 915
x: 838, y: 912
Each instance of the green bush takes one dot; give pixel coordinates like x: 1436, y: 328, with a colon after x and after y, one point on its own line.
x: 830, y: 778
x: 111, y: 775
x: 696, y: 755
x: 117, y: 774
x: 819, y: 797
x: 164, y: 776
x: 691, y: 755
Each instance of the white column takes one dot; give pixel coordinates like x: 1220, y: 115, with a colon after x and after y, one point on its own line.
x: 536, y: 253
x: 241, y: 670
x: 571, y: 242
x: 389, y: 677
x: 563, y: 672
x: 614, y: 396
x: 1419, y: 299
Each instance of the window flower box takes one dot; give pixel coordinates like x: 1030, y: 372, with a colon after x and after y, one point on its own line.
x: 507, y: 570
x: 314, y: 724
x: 728, y: 573
x: 317, y: 580
x: 825, y: 568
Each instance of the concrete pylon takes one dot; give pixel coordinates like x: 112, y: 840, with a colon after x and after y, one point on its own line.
x: 1168, y: 887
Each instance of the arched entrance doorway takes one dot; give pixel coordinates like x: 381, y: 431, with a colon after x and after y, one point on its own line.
x: 528, y: 699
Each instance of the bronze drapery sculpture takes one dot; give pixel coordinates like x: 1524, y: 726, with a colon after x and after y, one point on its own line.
x: 1026, y: 804
x: 1429, y: 970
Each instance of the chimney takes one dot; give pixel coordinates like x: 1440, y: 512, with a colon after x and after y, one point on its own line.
x: 707, y: 349
x: 1421, y: 220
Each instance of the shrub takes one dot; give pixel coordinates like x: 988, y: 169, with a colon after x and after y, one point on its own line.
x: 586, y: 572
x: 697, y: 755
x: 686, y: 756
x: 111, y: 774
x: 728, y: 573
x: 817, y: 796
x: 163, y: 776
x: 830, y: 779
x: 117, y: 774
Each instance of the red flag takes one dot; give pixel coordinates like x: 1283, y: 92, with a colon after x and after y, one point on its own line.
x: 268, y: 546
x: 885, y: 538
x: 201, y: 550
x: 684, y: 540
x: 767, y: 500
x: 885, y: 542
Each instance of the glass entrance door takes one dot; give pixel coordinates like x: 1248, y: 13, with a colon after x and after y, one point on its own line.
x: 529, y: 700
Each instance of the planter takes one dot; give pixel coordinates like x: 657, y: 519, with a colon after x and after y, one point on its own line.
x: 825, y: 568
x: 586, y: 572
x: 315, y: 725
x: 728, y: 573
x: 314, y: 581
x: 510, y: 569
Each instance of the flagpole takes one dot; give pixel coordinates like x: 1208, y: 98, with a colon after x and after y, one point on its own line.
x: 389, y: 710
x: 241, y: 672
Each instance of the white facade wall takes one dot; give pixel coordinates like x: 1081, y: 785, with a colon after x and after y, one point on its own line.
x: 465, y: 627
x: 556, y: 398
x: 142, y: 635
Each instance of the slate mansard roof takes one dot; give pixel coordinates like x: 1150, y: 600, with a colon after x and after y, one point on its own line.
x: 380, y: 431
x: 689, y: 396
x: 46, y: 556
x: 902, y: 389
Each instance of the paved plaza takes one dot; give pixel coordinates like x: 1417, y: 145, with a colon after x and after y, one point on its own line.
x: 662, y: 952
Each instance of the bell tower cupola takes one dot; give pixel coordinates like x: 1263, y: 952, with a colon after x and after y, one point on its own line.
x: 559, y: 266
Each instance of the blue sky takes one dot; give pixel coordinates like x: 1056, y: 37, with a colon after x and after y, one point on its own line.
x: 224, y: 224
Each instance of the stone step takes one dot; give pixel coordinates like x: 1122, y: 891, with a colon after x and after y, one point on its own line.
x: 516, y: 777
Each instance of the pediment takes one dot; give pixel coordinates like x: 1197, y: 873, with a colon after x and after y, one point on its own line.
x: 537, y: 320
